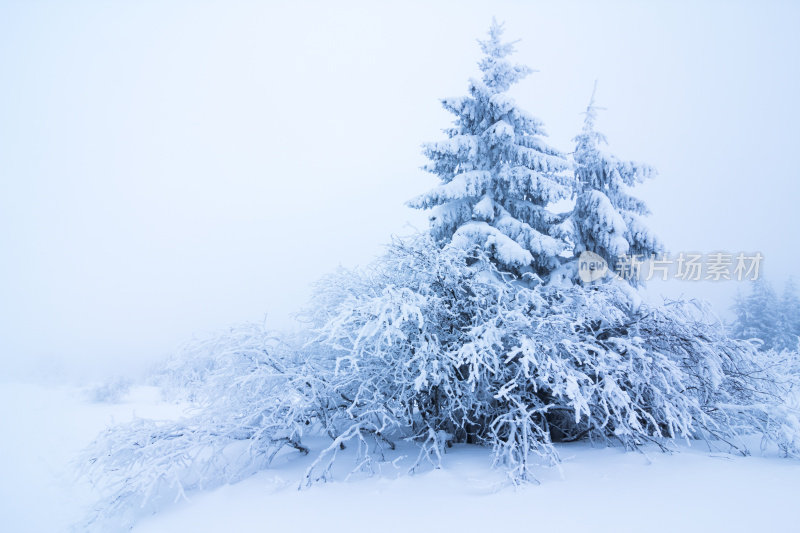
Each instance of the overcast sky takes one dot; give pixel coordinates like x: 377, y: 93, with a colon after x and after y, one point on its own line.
x: 170, y: 168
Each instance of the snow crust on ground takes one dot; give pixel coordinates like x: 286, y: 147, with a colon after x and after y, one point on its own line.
x: 601, y: 489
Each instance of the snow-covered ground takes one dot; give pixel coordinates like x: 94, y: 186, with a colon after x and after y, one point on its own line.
x: 599, y: 489
x: 43, y: 429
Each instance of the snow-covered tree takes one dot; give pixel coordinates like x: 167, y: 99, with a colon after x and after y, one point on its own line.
x: 772, y: 320
x: 607, y: 219
x: 498, y: 175
x: 758, y: 315
x: 789, y: 334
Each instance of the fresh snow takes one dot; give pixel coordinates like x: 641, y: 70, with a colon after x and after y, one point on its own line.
x: 597, y: 489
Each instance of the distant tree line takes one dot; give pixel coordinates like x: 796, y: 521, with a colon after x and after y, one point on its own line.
x: 766, y: 317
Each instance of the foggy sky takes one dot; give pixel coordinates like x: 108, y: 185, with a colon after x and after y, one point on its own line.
x: 170, y: 168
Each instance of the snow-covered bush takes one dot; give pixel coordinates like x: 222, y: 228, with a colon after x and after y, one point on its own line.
x: 452, y: 350
x: 192, y: 372
x: 257, y: 397
x: 111, y: 391
x: 435, y: 346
